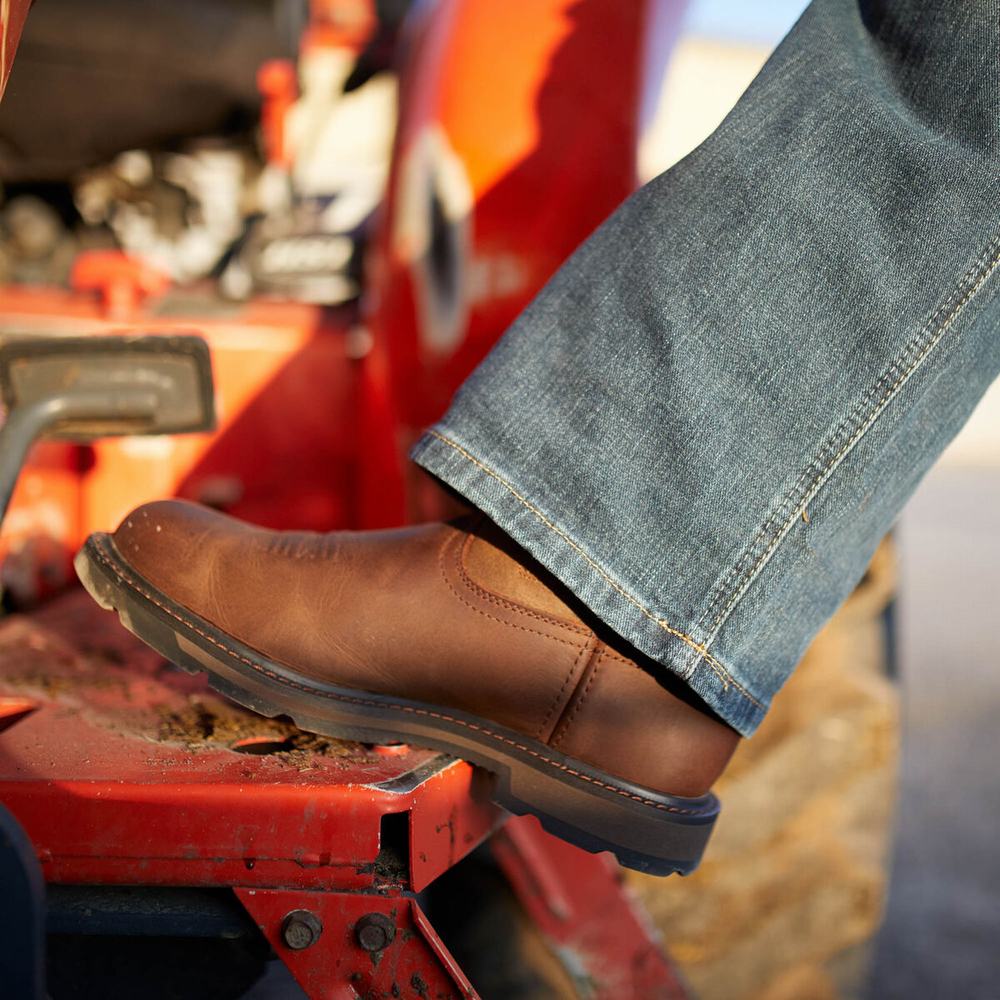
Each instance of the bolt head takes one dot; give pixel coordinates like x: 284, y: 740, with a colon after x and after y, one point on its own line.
x: 300, y: 929
x: 374, y: 932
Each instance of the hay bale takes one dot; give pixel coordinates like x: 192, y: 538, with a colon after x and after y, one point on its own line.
x: 792, y: 886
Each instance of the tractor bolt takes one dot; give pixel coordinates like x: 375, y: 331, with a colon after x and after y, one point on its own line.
x: 374, y: 932
x: 300, y: 929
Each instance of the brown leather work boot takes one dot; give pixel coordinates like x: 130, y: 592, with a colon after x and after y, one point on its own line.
x: 446, y: 636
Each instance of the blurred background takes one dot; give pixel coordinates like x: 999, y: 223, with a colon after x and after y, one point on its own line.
x: 193, y: 177
x: 942, y: 919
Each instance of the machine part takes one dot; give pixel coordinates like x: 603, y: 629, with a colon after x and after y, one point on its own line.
x: 328, y: 155
x: 492, y: 936
x: 278, y: 84
x: 36, y: 245
x: 585, y: 940
x: 180, y: 212
x: 14, y: 709
x: 374, y: 932
x: 287, y: 388
x: 328, y: 161
x: 25, y: 424
x: 111, y: 942
x: 379, y: 52
x: 22, y: 914
x: 36, y: 560
x: 101, y: 967
x: 301, y: 929
x: 414, y: 964
x: 121, y: 282
x: 146, y: 911
x: 300, y: 253
x: 89, y: 387
x: 12, y: 16
x: 599, y: 935
x: 95, y: 79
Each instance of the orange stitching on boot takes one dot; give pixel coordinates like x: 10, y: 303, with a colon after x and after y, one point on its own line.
x: 558, y: 698
x: 717, y: 668
x: 488, y: 595
x: 369, y: 703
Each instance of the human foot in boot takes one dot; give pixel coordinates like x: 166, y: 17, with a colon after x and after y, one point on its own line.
x: 443, y: 635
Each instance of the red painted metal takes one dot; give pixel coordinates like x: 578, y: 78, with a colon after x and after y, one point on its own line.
x: 43, y: 523
x: 14, y: 710
x: 287, y: 389
x: 125, y: 773
x: 415, y: 964
x: 121, y: 282
x: 278, y: 83
x: 12, y: 16
x: 578, y: 903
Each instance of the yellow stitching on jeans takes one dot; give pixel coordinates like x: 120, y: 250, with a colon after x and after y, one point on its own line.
x: 981, y: 262
x: 862, y: 430
x: 715, y: 665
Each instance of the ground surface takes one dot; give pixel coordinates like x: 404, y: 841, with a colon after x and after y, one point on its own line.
x: 943, y: 921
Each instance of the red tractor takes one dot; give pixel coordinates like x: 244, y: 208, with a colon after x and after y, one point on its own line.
x: 155, y: 840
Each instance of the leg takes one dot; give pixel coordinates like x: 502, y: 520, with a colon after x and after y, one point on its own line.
x: 699, y: 430
x: 714, y: 412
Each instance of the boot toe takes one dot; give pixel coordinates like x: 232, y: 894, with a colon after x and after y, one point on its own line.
x: 168, y: 542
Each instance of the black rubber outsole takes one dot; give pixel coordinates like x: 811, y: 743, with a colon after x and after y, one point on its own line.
x: 646, y: 830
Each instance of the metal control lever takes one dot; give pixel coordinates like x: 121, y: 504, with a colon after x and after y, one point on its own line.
x: 81, y: 388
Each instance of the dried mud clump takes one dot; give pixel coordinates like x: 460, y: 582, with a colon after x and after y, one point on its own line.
x: 203, y: 724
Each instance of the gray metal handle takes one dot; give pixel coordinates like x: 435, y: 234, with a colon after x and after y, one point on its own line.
x: 25, y: 424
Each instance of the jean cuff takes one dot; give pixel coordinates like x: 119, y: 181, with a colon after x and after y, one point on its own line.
x: 553, y: 542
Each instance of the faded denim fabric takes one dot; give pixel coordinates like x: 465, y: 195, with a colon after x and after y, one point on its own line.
x: 707, y: 420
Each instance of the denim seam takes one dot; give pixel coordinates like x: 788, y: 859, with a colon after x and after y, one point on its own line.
x: 857, y: 425
x: 717, y: 668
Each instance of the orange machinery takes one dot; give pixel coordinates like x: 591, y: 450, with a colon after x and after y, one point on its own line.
x: 517, y: 133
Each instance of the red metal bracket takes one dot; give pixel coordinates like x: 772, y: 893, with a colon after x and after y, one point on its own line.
x: 350, y: 946
x: 579, y: 904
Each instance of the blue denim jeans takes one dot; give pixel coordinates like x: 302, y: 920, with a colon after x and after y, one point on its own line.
x: 707, y: 420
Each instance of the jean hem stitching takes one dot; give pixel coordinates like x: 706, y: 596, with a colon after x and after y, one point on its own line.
x: 724, y: 676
